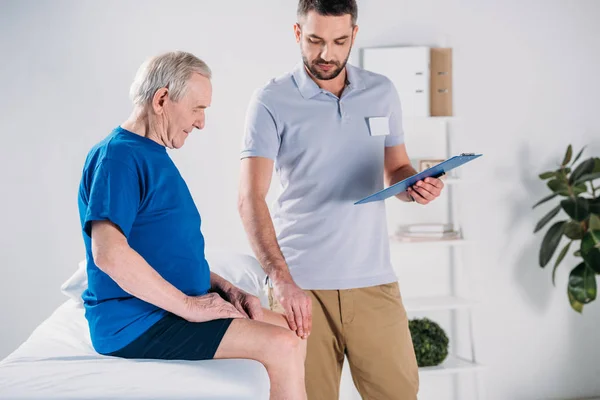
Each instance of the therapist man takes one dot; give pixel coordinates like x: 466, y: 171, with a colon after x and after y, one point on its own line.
x: 334, y: 133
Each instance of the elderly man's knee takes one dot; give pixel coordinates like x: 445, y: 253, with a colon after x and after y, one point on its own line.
x: 285, y: 344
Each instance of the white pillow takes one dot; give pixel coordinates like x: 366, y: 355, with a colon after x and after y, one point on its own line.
x: 76, y: 284
x: 242, y: 270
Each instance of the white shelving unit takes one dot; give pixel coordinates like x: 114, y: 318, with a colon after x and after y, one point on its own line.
x: 452, y: 365
x: 432, y: 275
x: 431, y: 303
x: 458, y: 300
x: 423, y: 243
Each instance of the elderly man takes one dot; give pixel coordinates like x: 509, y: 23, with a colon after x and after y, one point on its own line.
x: 151, y: 292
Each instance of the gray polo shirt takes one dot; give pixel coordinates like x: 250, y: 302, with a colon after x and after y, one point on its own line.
x: 328, y: 153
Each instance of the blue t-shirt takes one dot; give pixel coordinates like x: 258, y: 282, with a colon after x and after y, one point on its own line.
x: 131, y: 181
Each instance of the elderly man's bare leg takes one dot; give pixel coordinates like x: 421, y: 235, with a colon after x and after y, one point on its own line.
x: 274, y: 345
x: 278, y: 319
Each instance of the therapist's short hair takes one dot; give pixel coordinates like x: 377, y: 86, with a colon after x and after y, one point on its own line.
x: 169, y: 70
x: 328, y: 7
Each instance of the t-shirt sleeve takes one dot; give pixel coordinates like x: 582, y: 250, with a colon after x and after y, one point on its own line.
x: 114, y: 196
x: 396, y: 136
x: 261, y: 137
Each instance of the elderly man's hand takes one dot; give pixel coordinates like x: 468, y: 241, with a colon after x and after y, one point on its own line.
x: 247, y: 304
x: 426, y: 191
x: 209, y: 307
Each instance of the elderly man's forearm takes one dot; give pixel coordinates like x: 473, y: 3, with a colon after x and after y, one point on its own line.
x: 135, y: 276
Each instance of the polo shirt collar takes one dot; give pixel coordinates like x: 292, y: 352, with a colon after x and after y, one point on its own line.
x: 354, y: 79
x: 308, y: 88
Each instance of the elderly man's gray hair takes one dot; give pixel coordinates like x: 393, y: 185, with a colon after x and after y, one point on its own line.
x: 170, y: 70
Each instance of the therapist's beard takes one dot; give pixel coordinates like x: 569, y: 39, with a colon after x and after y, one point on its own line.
x: 312, y: 67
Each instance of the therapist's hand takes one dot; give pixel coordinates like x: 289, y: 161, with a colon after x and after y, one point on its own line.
x: 297, y: 305
x: 208, y: 307
x: 426, y: 191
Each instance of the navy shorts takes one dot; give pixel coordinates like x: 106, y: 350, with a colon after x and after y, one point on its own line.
x: 174, y: 338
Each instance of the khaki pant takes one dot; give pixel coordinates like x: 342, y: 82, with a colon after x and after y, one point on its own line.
x: 369, y: 326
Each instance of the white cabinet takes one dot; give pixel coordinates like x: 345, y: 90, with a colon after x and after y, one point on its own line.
x: 408, y: 69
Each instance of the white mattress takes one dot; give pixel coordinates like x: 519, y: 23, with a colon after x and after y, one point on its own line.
x: 58, y: 362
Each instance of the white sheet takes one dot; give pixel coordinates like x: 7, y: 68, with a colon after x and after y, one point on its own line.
x: 58, y: 362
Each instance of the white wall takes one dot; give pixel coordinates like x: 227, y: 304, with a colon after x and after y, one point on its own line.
x: 526, y: 85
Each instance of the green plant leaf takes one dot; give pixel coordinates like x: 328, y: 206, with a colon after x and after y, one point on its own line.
x: 561, y: 175
x: 547, y: 218
x: 596, y: 164
x: 580, y: 188
x: 594, y: 224
x: 550, y: 242
x: 560, y: 257
x: 594, y: 205
x: 575, y: 305
x: 589, y: 251
x: 582, y: 284
x: 558, y: 186
x: 578, y: 155
x: 586, y: 167
x: 568, y: 155
x: 547, y: 175
x: 573, y: 230
x: 545, y: 199
x: 588, y: 177
x: 577, y: 208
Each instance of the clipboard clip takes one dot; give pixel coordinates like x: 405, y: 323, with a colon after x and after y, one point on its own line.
x: 467, y: 154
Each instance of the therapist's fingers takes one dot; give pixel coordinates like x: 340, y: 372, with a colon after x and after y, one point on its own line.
x: 417, y: 196
x: 426, y: 194
x: 299, y: 319
x: 303, y: 334
x: 429, y: 186
x: 438, y: 183
x: 291, y: 318
x: 427, y: 190
x: 307, y: 314
x: 433, y: 187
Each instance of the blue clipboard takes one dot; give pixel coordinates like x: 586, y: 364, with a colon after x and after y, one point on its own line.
x: 434, y: 172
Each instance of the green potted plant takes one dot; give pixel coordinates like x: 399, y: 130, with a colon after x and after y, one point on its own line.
x: 580, y: 200
x: 429, y: 341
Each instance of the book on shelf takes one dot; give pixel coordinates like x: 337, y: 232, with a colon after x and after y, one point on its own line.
x: 425, y: 228
x: 424, y: 232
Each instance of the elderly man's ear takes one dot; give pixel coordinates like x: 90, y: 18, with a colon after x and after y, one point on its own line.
x: 158, y: 101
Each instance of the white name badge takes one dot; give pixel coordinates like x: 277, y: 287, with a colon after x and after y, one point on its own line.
x: 379, y: 126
